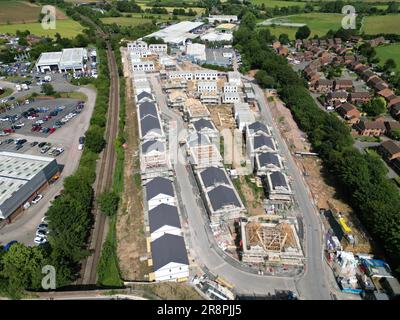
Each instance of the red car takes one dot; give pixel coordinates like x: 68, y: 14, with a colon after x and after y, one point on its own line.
x: 8, y: 130
x: 52, y: 130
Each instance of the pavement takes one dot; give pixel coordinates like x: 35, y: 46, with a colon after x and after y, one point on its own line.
x: 23, y: 228
x: 313, y: 284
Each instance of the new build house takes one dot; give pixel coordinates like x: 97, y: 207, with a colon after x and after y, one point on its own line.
x: 158, y: 191
x: 202, y: 152
x: 169, y: 258
x: 164, y: 219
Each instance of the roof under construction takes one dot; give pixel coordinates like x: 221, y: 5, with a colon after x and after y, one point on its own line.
x: 271, y: 237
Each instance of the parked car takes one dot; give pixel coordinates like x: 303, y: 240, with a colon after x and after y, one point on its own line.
x: 8, y: 141
x: 34, y: 143
x: 43, y: 226
x: 19, y: 146
x: 20, y: 141
x: 41, y: 144
x: 37, y: 198
x: 52, y: 130
x: 41, y: 233
x: 40, y: 240
x: 45, y: 149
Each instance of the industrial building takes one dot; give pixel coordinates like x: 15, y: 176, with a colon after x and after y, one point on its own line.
x: 219, y: 56
x: 62, y: 61
x: 222, y: 18
x: 178, y: 33
x: 270, y: 242
x: 196, y: 52
x: 22, y: 177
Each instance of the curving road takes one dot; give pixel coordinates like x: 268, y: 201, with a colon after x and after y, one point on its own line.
x: 313, y: 284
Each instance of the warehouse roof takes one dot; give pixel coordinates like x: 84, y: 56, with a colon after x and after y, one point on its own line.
x: 49, y: 58
x: 168, y: 248
x: 163, y: 215
x: 213, y: 176
x: 177, y: 33
x: 223, y: 196
x: 20, y: 176
x: 158, y: 186
x: 72, y: 56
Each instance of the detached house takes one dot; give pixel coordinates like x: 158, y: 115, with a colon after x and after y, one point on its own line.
x: 390, y: 150
x: 349, y: 112
x: 159, y: 191
x: 359, y: 97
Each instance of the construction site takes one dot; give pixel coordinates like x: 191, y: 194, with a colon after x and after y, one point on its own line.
x: 269, y: 242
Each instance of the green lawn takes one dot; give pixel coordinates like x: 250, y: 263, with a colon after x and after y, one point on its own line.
x: 137, y: 19
x: 67, y: 28
x: 389, y: 51
x: 382, y: 24
x: 319, y: 23
x: 18, y: 11
x: 6, y: 93
x: 279, y: 3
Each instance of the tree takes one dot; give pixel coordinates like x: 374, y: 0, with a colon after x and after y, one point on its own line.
x: 284, y: 38
x: 108, y: 202
x: 95, y: 139
x: 21, y: 268
x: 303, y: 32
x: 264, y: 80
x: 375, y: 107
x: 48, y: 89
x: 389, y: 65
x: 395, y: 134
x: 249, y: 21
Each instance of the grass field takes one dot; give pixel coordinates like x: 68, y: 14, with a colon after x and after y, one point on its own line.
x: 137, y: 19
x: 389, y: 51
x: 279, y: 3
x: 319, y: 23
x: 67, y: 28
x: 382, y: 24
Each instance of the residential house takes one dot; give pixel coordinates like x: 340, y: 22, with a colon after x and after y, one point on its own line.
x: 390, y: 150
x: 176, y: 99
x: 164, y: 219
x: 371, y: 128
x: 359, y: 97
x: 368, y: 75
x: 377, y: 41
x: 195, y: 109
x: 337, y: 97
x: 207, y: 86
x: 266, y: 162
x: 393, y: 100
x: 153, y: 158
x: 343, y: 84
x: 230, y: 87
x: 349, y: 112
x: 391, y: 125
x: 324, y: 85
x: 395, y: 111
x: 278, y: 186
x: 230, y: 97
x: 158, y: 191
x: 169, y: 258
x: 144, y: 96
x: 386, y: 93
x: 202, y: 152
x: 205, y: 127
x: 234, y: 78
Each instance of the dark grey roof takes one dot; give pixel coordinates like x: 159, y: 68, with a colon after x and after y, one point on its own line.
x: 221, y: 196
x: 149, y: 123
x: 278, y: 179
x: 147, y: 108
x: 151, y: 145
x: 268, y: 158
x: 202, y: 123
x: 159, y: 185
x: 258, y: 126
x: 262, y: 140
x: 144, y: 94
x: 163, y: 215
x: 212, y: 176
x: 168, y: 248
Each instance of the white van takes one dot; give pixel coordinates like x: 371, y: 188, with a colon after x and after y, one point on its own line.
x: 18, y: 87
x: 25, y: 86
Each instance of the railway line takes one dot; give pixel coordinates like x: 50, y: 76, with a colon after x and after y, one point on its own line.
x: 104, y: 174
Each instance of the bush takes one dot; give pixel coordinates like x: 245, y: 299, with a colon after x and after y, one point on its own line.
x: 108, y: 202
x: 94, y: 139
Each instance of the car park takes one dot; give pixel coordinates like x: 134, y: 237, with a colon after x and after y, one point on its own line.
x: 37, y: 199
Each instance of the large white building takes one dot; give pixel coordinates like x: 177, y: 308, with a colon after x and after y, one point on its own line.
x: 207, y: 86
x: 22, y: 177
x: 222, y: 18
x: 143, y: 65
x: 196, y: 51
x: 177, y: 33
x: 68, y: 59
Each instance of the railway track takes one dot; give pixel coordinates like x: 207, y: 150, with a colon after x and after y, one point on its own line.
x: 104, y: 175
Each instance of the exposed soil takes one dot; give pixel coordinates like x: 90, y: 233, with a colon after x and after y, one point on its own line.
x: 130, y: 223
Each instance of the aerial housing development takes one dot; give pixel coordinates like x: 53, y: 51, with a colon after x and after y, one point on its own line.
x: 202, y: 151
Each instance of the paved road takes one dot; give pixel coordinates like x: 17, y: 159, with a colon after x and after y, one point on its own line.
x: 24, y: 227
x: 314, y: 284
x: 201, y: 248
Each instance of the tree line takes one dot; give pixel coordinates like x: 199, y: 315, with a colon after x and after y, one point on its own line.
x: 361, y: 177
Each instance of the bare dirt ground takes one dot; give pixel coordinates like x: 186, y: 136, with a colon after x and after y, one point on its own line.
x: 324, y: 193
x: 130, y: 224
x: 222, y: 117
x: 170, y: 291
